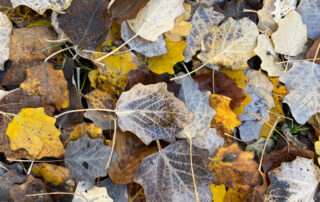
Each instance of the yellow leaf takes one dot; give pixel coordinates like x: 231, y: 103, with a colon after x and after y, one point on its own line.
x: 34, y: 131
x: 218, y: 192
x: 51, y: 173
x: 93, y: 76
x: 164, y: 63
x: 225, y: 119
x: 317, y: 148
x: 241, y: 80
x: 278, y: 92
x: 78, y: 130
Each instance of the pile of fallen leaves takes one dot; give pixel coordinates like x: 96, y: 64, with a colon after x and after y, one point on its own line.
x: 159, y: 100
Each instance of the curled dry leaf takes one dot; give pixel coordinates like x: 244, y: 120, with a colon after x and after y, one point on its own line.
x: 152, y: 113
x: 42, y: 5
x: 267, y: 25
x: 231, y: 44
x: 5, y: 32
x: 51, y: 173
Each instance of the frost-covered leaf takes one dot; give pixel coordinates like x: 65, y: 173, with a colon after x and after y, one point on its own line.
x: 147, y: 48
x: 42, y: 5
x: 303, y: 84
x: 309, y: 11
x: 202, y: 20
x: 5, y: 33
x: 294, y: 181
x: 87, y: 158
x: 267, y: 55
x: 230, y: 44
x: 156, y: 18
x: 198, y: 103
x: 118, y: 192
x: 151, y: 112
x: 291, y: 35
x: 86, y: 192
x: 169, y: 177
x: 210, y: 141
x: 282, y: 8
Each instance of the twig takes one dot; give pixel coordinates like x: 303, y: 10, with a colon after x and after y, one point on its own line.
x: 189, y: 73
x: 113, y: 143
x: 192, y: 171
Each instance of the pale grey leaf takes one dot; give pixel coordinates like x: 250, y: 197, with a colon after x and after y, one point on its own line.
x: 5, y: 34
x: 294, y: 181
x: 202, y: 20
x: 147, y: 48
x: 119, y: 193
x: 310, y: 13
x: 87, y: 158
x: 7, y: 181
x: 209, y: 3
x: 169, y: 178
x: 210, y: 141
x: 86, y: 192
x: 42, y: 5
x: 303, y: 84
x: 250, y: 130
x: 152, y: 112
x: 198, y: 103
x: 282, y: 8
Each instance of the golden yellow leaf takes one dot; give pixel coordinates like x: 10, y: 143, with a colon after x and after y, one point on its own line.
x: 164, y: 63
x: 34, y: 131
x: 78, y: 130
x: 317, y: 148
x: 93, y: 76
x: 218, y: 192
x: 225, y: 119
x: 278, y: 92
x: 51, y: 173
x: 241, y: 80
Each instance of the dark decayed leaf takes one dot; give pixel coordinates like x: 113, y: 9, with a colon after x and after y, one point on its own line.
x: 87, y: 23
x: 7, y: 180
x: 312, y: 51
x: 126, y: 9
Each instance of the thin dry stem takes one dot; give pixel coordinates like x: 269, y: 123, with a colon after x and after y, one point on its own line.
x: 189, y: 73
x: 226, y: 134
x: 282, y: 62
x: 56, y: 53
x: 192, y: 171
x: 2, y: 166
x: 113, y: 143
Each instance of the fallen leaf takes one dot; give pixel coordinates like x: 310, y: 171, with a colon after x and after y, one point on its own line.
x: 147, y: 48
x: 156, y: 18
x: 5, y: 31
x: 87, y: 158
x: 282, y: 8
x: 50, y: 84
x: 86, y: 23
x: 309, y: 11
x: 7, y: 181
x: 125, y: 10
x: 51, y: 173
x: 130, y: 152
x: 90, y: 193
x: 311, y: 54
x: 171, y: 168
x: 258, y: 146
x: 209, y: 141
x: 291, y: 35
x: 218, y: 192
x: 294, y: 181
x: 268, y: 56
x: 76, y: 132
x: 116, y: 192
x: 236, y: 9
x: 317, y: 149
x: 34, y: 131
x: 151, y: 112
x: 164, y: 63
x: 208, y: 3
x: 225, y: 119
x: 267, y: 24
x: 229, y: 45
x: 202, y: 20
x: 197, y: 102
x: 42, y: 5
x: 302, y: 82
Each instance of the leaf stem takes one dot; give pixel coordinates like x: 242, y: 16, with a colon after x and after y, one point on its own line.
x: 113, y: 143
x: 192, y: 171
x: 189, y: 73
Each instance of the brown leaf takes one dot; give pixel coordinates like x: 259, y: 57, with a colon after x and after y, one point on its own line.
x: 126, y: 9
x: 7, y: 180
x: 312, y: 51
x: 130, y: 152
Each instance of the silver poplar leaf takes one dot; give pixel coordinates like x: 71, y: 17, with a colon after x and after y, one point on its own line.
x: 198, y: 103
x: 118, y: 192
x: 169, y: 178
x: 208, y: 3
x: 210, y: 141
x: 90, y: 193
x: 294, y: 181
x: 156, y: 18
x: 151, y: 112
x: 41, y: 6
x: 282, y: 8
x: 147, y: 48
x: 5, y: 34
x: 202, y: 20
x: 303, y: 84
x: 309, y: 11
x: 231, y: 44
x: 87, y: 158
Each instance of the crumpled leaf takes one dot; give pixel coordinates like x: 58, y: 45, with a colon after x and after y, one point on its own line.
x: 294, y: 181
x: 198, y: 103
x: 151, y: 112
x: 7, y: 181
x: 267, y: 24
x: 147, y: 48
x: 51, y: 173
x: 231, y: 44
x: 265, y: 51
x: 42, y: 5
x: 309, y: 11
x: 290, y: 37
x: 126, y: 9
x: 303, y: 84
x: 156, y: 18
x: 169, y: 178
x: 164, y: 63
x: 5, y: 32
x: 209, y: 141
x: 86, y: 23
x: 202, y: 20
x: 34, y: 131
x: 90, y: 193
x: 87, y: 158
